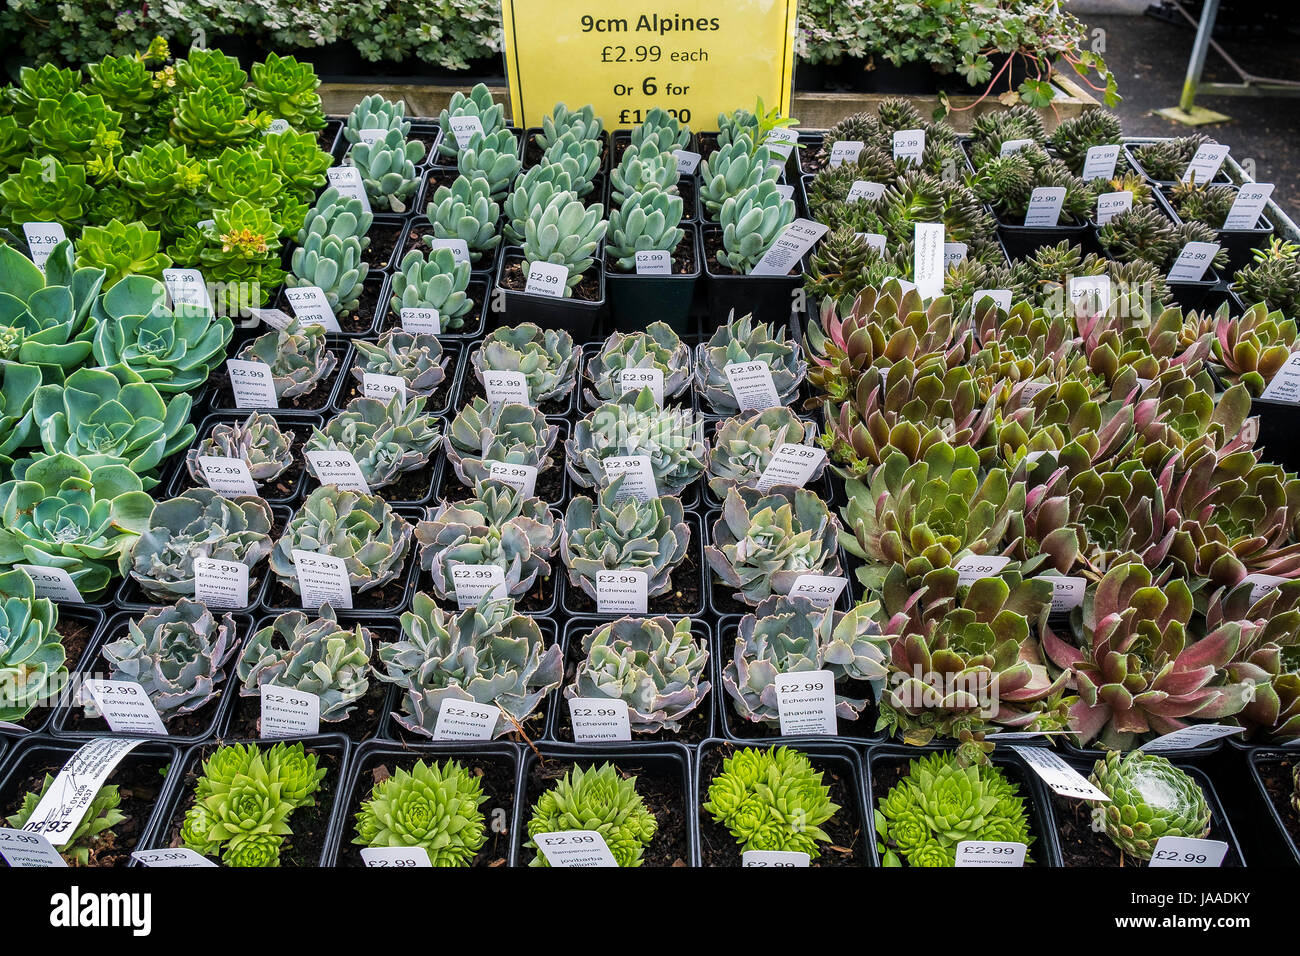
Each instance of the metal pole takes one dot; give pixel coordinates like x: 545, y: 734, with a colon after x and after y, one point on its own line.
x: 1196, y: 65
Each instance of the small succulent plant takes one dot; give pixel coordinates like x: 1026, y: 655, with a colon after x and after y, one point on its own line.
x: 565, y: 232
x: 507, y: 432
x: 387, y: 168
x: 533, y: 190
x: 1273, y: 277
x: 772, y: 799
x: 494, y: 156
x: 466, y: 210
x: 661, y: 130
x: 580, y: 158
x: 745, y: 444
x: 646, y: 222
x: 46, y: 319
x: 1167, y: 160
x: 582, y: 122
x: 743, y: 340
x: 417, y: 359
x: 433, y: 805
x: 298, y: 356
x: 1150, y: 798
x: 32, y: 657
x: 1073, y: 137
x: 93, y: 833
x: 436, y: 281
x: 334, y: 265
x: 375, y: 112
x: 641, y: 171
x: 658, y: 347
x: 634, y: 424
x: 478, y: 104
x: 257, y: 440
x: 730, y: 170
x: 751, y: 222
x: 600, y: 799
x: 386, y: 438
x: 547, y: 359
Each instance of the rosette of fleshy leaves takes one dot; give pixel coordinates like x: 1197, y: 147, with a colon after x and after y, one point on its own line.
x: 478, y: 103
x: 1250, y: 348
x: 1008, y: 184
x: 658, y: 347
x: 1148, y: 799
x: 505, y: 432
x: 32, y: 657
x: 466, y: 210
x: 546, y: 358
x: 772, y: 799
x: 635, y: 424
x: 600, y: 799
x: 298, y: 356
x: 417, y: 359
x: 433, y: 281
x: 387, y: 169
x: 286, y: 88
x: 1268, y: 658
x: 1146, y: 344
x: 257, y: 440
x: 386, y: 439
x: 45, y: 317
x: 1272, y: 277
x: 745, y: 444
x: 434, y: 806
x: 122, y: 249
x: 743, y: 340
x: 45, y: 190
x: 93, y: 833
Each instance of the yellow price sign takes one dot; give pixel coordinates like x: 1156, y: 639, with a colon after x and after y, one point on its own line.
x: 695, y: 60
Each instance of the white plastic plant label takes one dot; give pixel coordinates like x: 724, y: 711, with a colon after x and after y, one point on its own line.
x: 638, y: 476
x: 909, y: 144
x: 819, y: 588
x: 1045, y: 206
x: 465, y: 128
x: 310, y: 305
x: 504, y: 387
x: 1188, y: 852
x: 1191, y: 736
x: 953, y: 253
x: 53, y: 583
x: 337, y: 467
x: 785, y: 190
x: 1092, y: 293
x: 59, y: 812
x: 221, y: 583
x: 547, y: 278
x: 228, y: 476
x: 1059, y: 775
x: 288, y: 712
x: 1193, y: 261
x: 576, y: 848
x: 1014, y: 146
x: 904, y: 285
x: 1261, y: 584
x: 459, y: 248
x: 522, y: 478
x: 622, y: 592
x: 927, y: 259
x: 1001, y: 297
x: 272, y: 318
x: 805, y: 701
x: 784, y: 254
x: 793, y: 464
x: 420, y: 321
x: 396, y: 857
x: 277, y: 126
x: 975, y: 566
x: 322, y: 578
x: 1284, y: 386
x: 687, y: 162
x: 845, y: 151
x: 1248, y: 206
x: 42, y: 237
x: 465, y: 720
x: 126, y: 706
x: 347, y: 180
x: 28, y: 850
x: 599, y: 719
x: 780, y: 143
x: 1100, y: 162
x: 874, y: 240
x: 181, y: 856
x: 1206, y: 163
x: 473, y: 582
x: 654, y: 262
x: 999, y: 854
x: 791, y: 859
x: 1110, y: 205
x: 751, y: 383
x: 252, y: 384
x: 383, y: 388
x: 635, y: 379
x: 371, y: 136
x: 1067, y: 592
x: 865, y: 189
x: 187, y: 290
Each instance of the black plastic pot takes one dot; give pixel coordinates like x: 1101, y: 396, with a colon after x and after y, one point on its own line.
x: 470, y: 387
x: 1130, y: 152
x: 620, y: 139
x: 495, y: 765
x: 1194, y: 295
x: 332, y: 751
x: 450, y: 487
x: 217, y: 397
x: 637, y: 300
x: 210, y: 717
x: 473, y: 321
x: 430, y: 133
x: 1275, y: 842
x: 842, y: 771
x: 767, y: 298
x: 806, y: 158
x: 1278, y: 422
x: 88, y: 621
x: 143, y: 776
x: 579, y: 317
x: 412, y: 238
x: 1239, y: 243
x: 663, y: 779
x: 883, y: 766
x: 823, y: 484
x: 1021, y: 242
x: 292, y: 489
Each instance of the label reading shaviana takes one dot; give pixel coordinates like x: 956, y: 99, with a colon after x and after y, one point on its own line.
x: 337, y: 467
x: 465, y: 720
x: 221, y: 583
x: 599, y: 719
x: 789, y: 247
x: 322, y: 578
x: 228, y: 476
x: 751, y: 384
x: 638, y: 476
x: 473, y: 582
x: 252, y: 384
x: 622, y: 592
x: 805, y: 701
x: 793, y: 464
x: 126, y: 706
x: 289, y: 712
x: 502, y: 387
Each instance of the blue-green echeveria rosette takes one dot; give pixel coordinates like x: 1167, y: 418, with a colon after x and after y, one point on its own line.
x: 32, y: 658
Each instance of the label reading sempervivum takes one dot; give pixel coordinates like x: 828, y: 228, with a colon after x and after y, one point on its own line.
x: 654, y: 262
x: 1284, y: 386
x: 784, y: 254
x: 990, y: 853
x: 1248, y: 206
x: 229, y: 476
x: 547, y: 278
x: 1067, y: 592
x: 288, y: 712
x: 28, y: 850
x: 975, y: 566
x: 1191, y: 736
x: 806, y: 702
x: 126, y: 706
x: 53, y: 583
x: 1186, y: 851
x: 187, y: 290
x: 1001, y: 297
x: 819, y: 588
x: 181, y: 856
x: 687, y: 161
x: 42, y: 237
x: 421, y: 321
x: 622, y: 592
x: 775, y: 858
x: 927, y: 259
x: 599, y: 719
x: 1205, y: 164
x: 252, y: 384
x: 474, y: 581
x: 459, y: 248
x: 337, y: 467
x: 1045, y: 206
x: 793, y: 464
x: 220, y: 583
x: 504, y: 387
x: 396, y: 857
x: 635, y: 379
x: 1110, y: 205
x: 1100, y: 162
x: 1193, y: 261
x: 576, y: 848
x: 865, y: 189
x: 322, y: 578
x: 347, y: 180
x: 465, y: 720
x: 465, y: 128
x: 383, y: 388
x: 846, y: 151
x: 909, y: 144
x: 523, y: 478
x: 1059, y: 775
x: 310, y: 305
x: 638, y: 476
x: 752, y: 385
x: 59, y: 812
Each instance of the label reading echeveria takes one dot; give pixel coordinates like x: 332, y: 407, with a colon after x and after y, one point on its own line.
x: 599, y: 719
x: 1014, y: 146
x: 288, y: 712
x: 28, y: 850
x: 1206, y: 163
x: 459, y: 248
x: 909, y: 144
x: 421, y: 321
x: 53, y: 583
x: 1191, y: 736
x: 465, y: 128
x: 654, y: 262
x: 547, y: 278
x: 187, y: 290
x: 927, y: 259
x: 522, y: 478
x: 220, y: 583
x: 1284, y: 386
x: 1001, y: 298
x: 383, y: 388
x: 638, y: 476
x: 789, y: 859
x: 990, y: 853
x: 473, y: 582
x: 229, y: 476
x: 1100, y: 162
x: 784, y: 254
x: 310, y: 305
x: 396, y: 857
x: 873, y: 240
x: 846, y: 151
x: 954, y: 253
x: 504, y: 387
x: 322, y: 578
x: 1090, y: 293
x: 126, y: 706
x: 1045, y: 204
x: 347, y: 180
x: 975, y: 566
x: 181, y: 856
x: 793, y: 464
x: 273, y: 318
x: 806, y: 703
x: 819, y: 588
x: 42, y: 237
x: 622, y: 592
x: 1186, y: 851
x: 1248, y: 206
x: 1110, y: 205
x: 59, y: 812
x: 780, y: 143
x: 751, y: 384
x: 635, y: 379
x: 337, y: 467
x: 687, y: 161
x: 576, y: 848
x: 1067, y: 592
x: 252, y: 384
x: 1193, y: 262
x: 865, y: 189
x: 465, y: 720
x: 1059, y: 775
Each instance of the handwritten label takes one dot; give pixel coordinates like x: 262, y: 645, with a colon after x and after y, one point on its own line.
x: 126, y: 706
x: 1186, y: 851
x: 1193, y: 261
x: 775, y: 858
x: 599, y: 719
x: 220, y: 583
x: 396, y: 857
x: 1045, y: 204
x: 784, y: 254
x: 473, y: 582
x: 909, y: 144
x: 806, y: 703
x: 1001, y: 297
x: 229, y: 476
x: 465, y: 128
x: 465, y: 720
x: 1205, y: 164
x: 1248, y: 206
x: 53, y: 583
x: 845, y: 151
x: 654, y: 262
x: 819, y: 588
x: 28, y: 850
x: 383, y: 388
x: 181, y: 856
x: 1190, y: 736
x: 1284, y: 386
x: 60, y: 811
x: 1059, y: 775
x: 420, y: 321
x: 459, y: 248
x: 347, y: 180
x: 1110, y: 205
x: 687, y: 161
x: 575, y: 848
x: 638, y: 477
x: 252, y: 384
x: 187, y: 291
x: 990, y: 853
x: 927, y: 259
x: 310, y: 305
x: 1100, y: 162
x: 322, y: 578
x: 635, y: 379
x: 793, y: 464
x: 42, y: 237
x: 522, y: 478
x: 865, y: 189
x: 751, y: 384
x: 975, y: 566
x: 289, y: 712
x: 622, y: 592
x: 547, y: 278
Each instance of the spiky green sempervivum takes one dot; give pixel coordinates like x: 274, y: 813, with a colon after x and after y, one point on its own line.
x: 763, y: 541
x: 990, y: 131
x: 653, y: 665
x: 1144, y: 234
x: 828, y: 191
x: 1167, y: 160
x: 313, y: 655
x: 387, y: 168
x: 1007, y: 184
x: 499, y: 527
x: 1150, y: 798
x: 1273, y: 278
x: 533, y: 190
x: 639, y: 172
x: 45, y: 190
x: 744, y: 445
x: 466, y: 210
x: 609, y: 535
x: 385, y: 438
x: 922, y: 197
x: 495, y: 157
x: 546, y: 358
x: 1073, y: 137
x: 93, y: 833
x: 363, y: 530
x: 1196, y: 202
x: 178, y: 654
x: 45, y: 317
x: 487, y: 653
x: 784, y: 635
x: 1251, y: 348
x: 772, y: 799
x: 298, y: 357
x: 941, y: 803
x: 417, y: 359
x: 478, y: 103
x: 583, y: 122
x: 436, y: 281
x: 434, y: 806
x: 634, y: 424
x: 1139, y: 670
x: 600, y: 799
x: 743, y: 340
x: 565, y: 232
x: 580, y: 158
x: 646, y: 222
x: 32, y: 657
x: 751, y: 222
x: 1043, y: 279
x: 730, y: 170
x: 121, y: 249
x: 507, y: 432
x: 845, y: 264
x: 257, y: 440
x: 286, y: 89
x: 658, y: 347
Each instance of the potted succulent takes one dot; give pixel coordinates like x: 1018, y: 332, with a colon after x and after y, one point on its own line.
x: 745, y: 340
x: 303, y: 367
x: 546, y: 358
x: 271, y: 452
x: 652, y: 262
x: 749, y: 223
x: 1277, y: 789
x: 427, y: 368
x: 392, y: 443
x: 657, y: 350
x: 503, y: 433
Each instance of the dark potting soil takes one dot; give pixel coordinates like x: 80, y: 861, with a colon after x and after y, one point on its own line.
x: 514, y: 279
x: 390, y: 595
x: 550, y: 485
x: 315, y: 400
x: 302, y: 847
x: 360, y: 320
x: 495, y: 775
x: 683, y: 259
x: 476, y: 293
x: 707, y: 144
x: 139, y: 781
x: 724, y: 603
x: 434, y: 403
x: 682, y: 597
x: 1277, y: 783
x: 282, y: 485
x: 686, y: 189
x: 712, y: 243
x: 813, y: 160
x: 439, y: 176
x: 660, y: 790
x: 383, y: 239
x: 719, y: 848
x: 472, y: 388
x: 325, y: 137
x: 1081, y: 845
x: 74, y: 635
